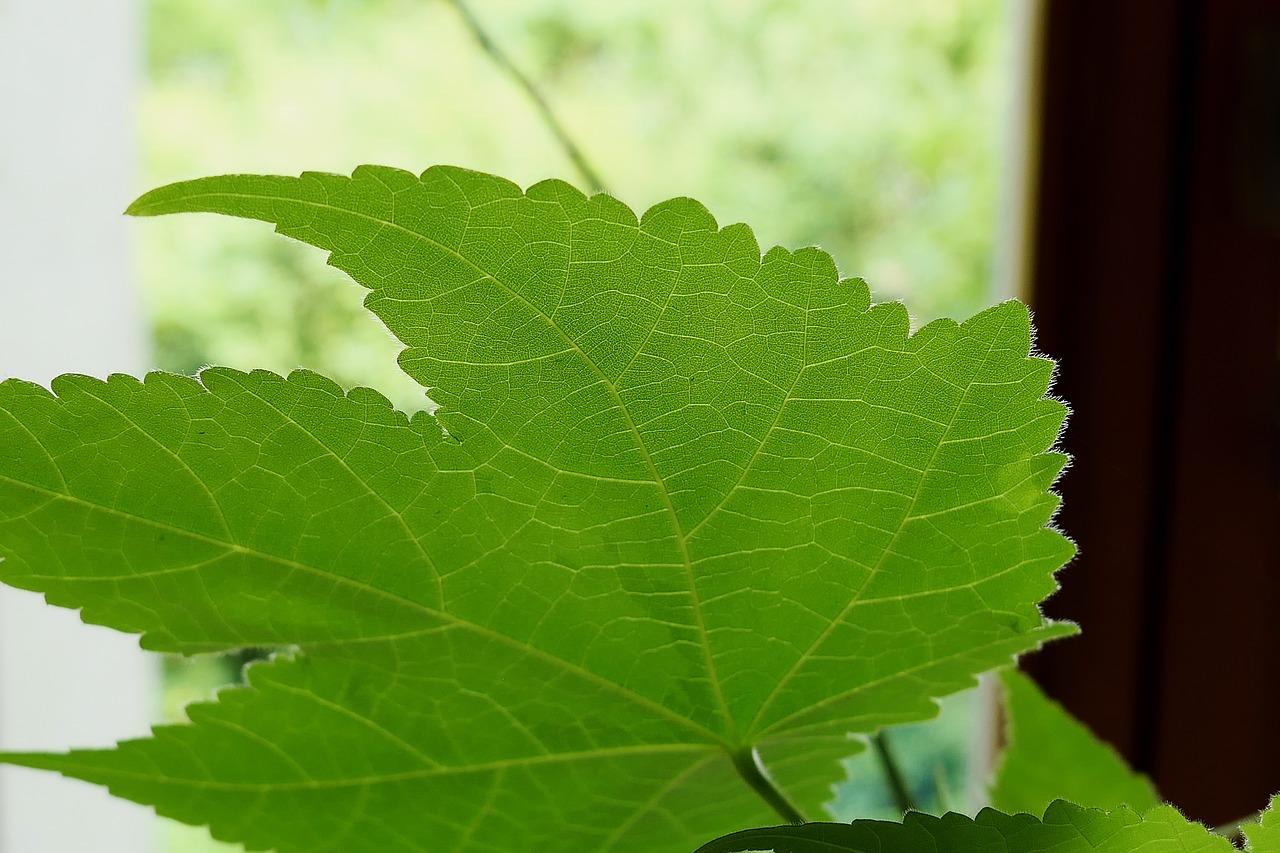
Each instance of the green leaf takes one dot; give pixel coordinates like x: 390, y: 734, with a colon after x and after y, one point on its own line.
x: 692, y: 506
x: 1264, y: 836
x: 1065, y: 828
x: 1049, y: 755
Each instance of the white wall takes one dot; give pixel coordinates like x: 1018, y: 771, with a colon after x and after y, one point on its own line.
x: 68, y: 70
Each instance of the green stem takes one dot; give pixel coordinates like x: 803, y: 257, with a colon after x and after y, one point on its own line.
x: 749, y: 766
x: 500, y: 58
x: 893, y: 776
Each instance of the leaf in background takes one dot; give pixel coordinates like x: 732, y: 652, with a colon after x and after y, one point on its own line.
x: 693, y: 506
x: 1264, y: 836
x: 1049, y: 755
x: 1065, y: 829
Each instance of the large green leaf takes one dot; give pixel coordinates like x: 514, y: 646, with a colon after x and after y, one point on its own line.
x: 694, y: 510
x: 1065, y: 828
x: 1049, y: 755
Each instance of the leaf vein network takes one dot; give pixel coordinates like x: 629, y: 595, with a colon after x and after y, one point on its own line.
x: 597, y: 754
x: 799, y: 663
x: 445, y: 616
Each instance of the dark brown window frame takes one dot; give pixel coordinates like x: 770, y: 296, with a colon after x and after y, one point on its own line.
x: 1155, y: 281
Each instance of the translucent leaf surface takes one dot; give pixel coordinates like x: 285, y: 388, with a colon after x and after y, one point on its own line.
x: 1065, y: 828
x: 1049, y: 755
x: 692, y: 505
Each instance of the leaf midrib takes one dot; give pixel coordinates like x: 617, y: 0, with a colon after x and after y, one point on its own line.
x: 443, y: 616
x: 602, y: 753
x: 677, y: 530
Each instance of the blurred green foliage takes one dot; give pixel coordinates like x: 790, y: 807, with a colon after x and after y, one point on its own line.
x: 868, y: 127
x: 934, y: 757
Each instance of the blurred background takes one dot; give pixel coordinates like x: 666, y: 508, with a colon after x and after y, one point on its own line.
x: 1116, y: 164
x: 871, y: 129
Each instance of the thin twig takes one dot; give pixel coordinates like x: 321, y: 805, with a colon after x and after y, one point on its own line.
x: 893, y: 775
x: 500, y: 58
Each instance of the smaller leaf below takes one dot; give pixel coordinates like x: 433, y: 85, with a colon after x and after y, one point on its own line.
x: 1065, y: 828
x: 1264, y: 837
x: 1050, y: 755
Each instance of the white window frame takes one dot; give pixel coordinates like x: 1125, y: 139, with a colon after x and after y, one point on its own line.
x: 68, y: 77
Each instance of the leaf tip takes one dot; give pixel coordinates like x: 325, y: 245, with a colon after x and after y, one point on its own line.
x: 146, y: 204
